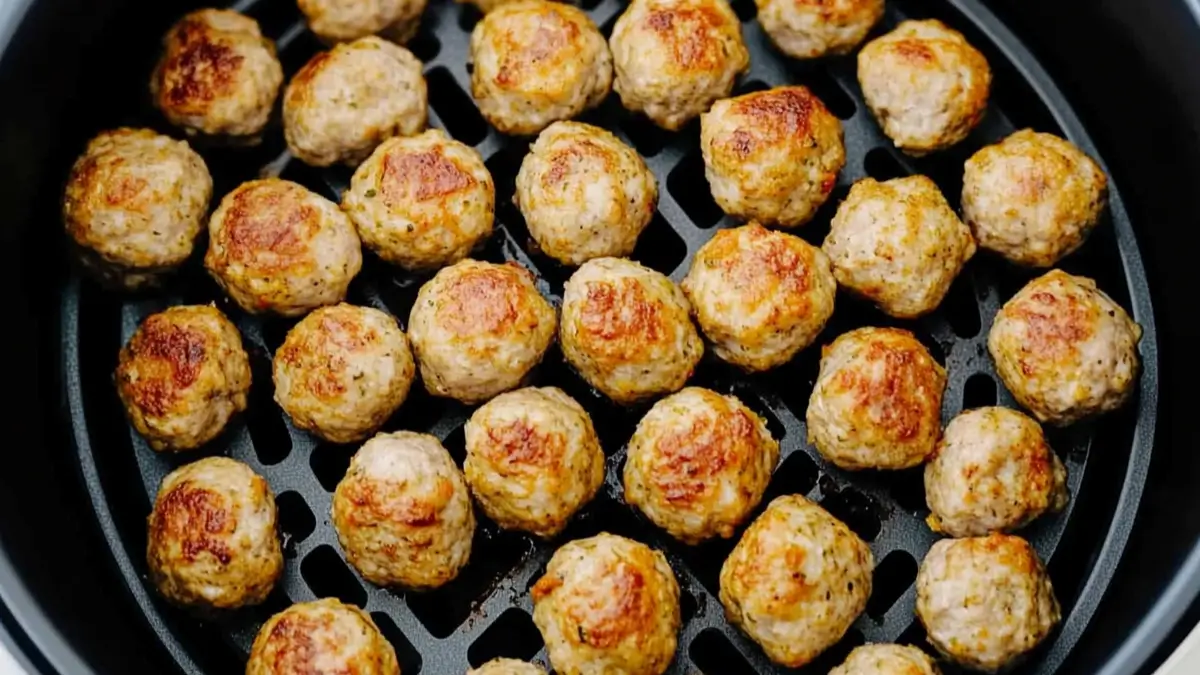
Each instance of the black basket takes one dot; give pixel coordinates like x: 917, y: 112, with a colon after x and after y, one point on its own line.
x: 486, y: 612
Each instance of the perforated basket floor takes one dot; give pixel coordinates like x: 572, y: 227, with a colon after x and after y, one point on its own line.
x: 486, y: 612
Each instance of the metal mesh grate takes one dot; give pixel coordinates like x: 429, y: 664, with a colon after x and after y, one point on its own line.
x: 486, y: 612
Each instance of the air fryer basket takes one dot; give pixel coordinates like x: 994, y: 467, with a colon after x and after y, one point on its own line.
x: 486, y: 612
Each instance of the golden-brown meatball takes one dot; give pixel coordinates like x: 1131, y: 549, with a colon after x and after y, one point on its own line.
x: 346, y: 20
x: 321, y: 638
x: 217, y: 76
x: 898, y: 244
x: 507, y: 667
x: 342, y: 371
x: 986, y: 601
x: 608, y: 604
x: 625, y: 329
x: 925, y: 84
x: 806, y: 29
x: 536, y: 62
x: 402, y: 512
x: 992, y: 471
x: 478, y: 328
x: 533, y: 459
x: 584, y: 194
x: 346, y: 101
x: 673, y: 58
x: 698, y: 464
x: 422, y: 202
x: 182, y: 375
x: 760, y: 296
x: 1033, y: 198
x: 134, y: 203
x: 772, y: 155
x: 274, y: 246
x: 796, y: 580
x: 877, y: 401
x: 881, y: 659
x: 1064, y: 349
x: 211, y: 537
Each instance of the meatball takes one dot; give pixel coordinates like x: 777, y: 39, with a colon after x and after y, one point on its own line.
x: 985, y: 601
x: 772, y: 155
x: 608, y: 604
x: 218, y: 76
x: 925, y: 84
x: 698, y: 464
x: 796, y: 581
x: 1033, y: 198
x: 345, y: 20
x: 584, y: 193
x: 992, y: 471
x: 877, y: 401
x: 536, y: 62
x: 760, y: 296
x: 806, y: 29
x: 274, y: 246
x: 402, y: 512
x: 898, y: 244
x: 673, y: 58
x: 422, y: 202
x: 625, y: 329
x: 881, y: 659
x: 533, y: 459
x: 346, y: 101
x: 507, y: 667
x: 182, y: 375
x: 478, y: 329
x: 134, y: 203
x: 1065, y: 349
x: 211, y: 537
x: 323, y: 636
x: 342, y: 371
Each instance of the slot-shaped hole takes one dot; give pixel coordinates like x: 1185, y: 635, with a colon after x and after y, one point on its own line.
x: 647, y: 137
x: 858, y: 511
x: 468, y: 16
x: 493, y: 554
x: 456, y: 445
x: 836, y: 654
x: 915, y: 636
x: 689, y: 187
x: 298, y: 51
x: 826, y: 88
x: 881, y: 165
x: 277, y: 601
x: 746, y: 10
x: 795, y: 476
x: 893, y: 575
x: 264, y: 419
x: 908, y: 489
x: 749, y: 87
x: 328, y: 577
x: 511, y: 635
x: 979, y: 391
x: 745, y: 393
x: 296, y: 520
x: 274, y: 18
x: 420, y: 411
x: 960, y: 309
x: 424, y: 45
x: 588, y: 5
x: 455, y: 108
x: 660, y: 247
x: 329, y: 462
x: 714, y: 654
x: 706, y: 558
x: 406, y: 654
x: 274, y: 331
x: 689, y: 605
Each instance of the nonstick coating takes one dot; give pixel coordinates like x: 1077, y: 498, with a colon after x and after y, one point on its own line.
x: 486, y: 612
